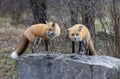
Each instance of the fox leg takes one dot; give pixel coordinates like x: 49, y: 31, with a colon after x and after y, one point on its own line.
x: 46, y: 45
x: 87, y: 51
x: 73, y: 47
x: 31, y: 39
x: 32, y: 46
x: 37, y: 41
x: 80, y: 47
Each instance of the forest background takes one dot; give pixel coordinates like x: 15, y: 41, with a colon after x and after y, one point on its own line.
x: 102, y: 17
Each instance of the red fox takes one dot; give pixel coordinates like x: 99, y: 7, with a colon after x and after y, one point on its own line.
x: 47, y: 32
x: 78, y: 33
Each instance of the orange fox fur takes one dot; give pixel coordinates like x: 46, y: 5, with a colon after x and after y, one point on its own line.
x: 79, y: 32
x: 47, y: 31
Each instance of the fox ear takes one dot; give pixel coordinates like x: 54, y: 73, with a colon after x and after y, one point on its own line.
x: 46, y: 21
x: 80, y: 28
x: 68, y: 30
x: 53, y: 25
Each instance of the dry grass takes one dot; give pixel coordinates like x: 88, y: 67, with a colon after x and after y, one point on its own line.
x: 8, y: 39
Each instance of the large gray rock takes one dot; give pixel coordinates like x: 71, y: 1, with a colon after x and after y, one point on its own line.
x: 68, y: 66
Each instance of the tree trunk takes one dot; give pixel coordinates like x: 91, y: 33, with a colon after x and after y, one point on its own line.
x: 116, y: 28
x: 88, y: 16
x: 16, y: 12
x: 39, y: 10
x: 73, y: 4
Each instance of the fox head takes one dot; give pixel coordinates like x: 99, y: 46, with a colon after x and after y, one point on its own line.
x: 51, y: 31
x: 74, y: 33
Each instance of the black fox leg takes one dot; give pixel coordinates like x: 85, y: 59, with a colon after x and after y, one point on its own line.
x: 80, y: 47
x: 37, y: 41
x: 87, y: 51
x: 46, y: 45
x: 73, y: 47
x: 32, y: 47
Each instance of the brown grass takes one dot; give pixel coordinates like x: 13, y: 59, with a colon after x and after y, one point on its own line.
x: 9, y: 37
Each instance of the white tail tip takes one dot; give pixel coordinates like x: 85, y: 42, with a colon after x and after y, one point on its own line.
x: 14, y: 55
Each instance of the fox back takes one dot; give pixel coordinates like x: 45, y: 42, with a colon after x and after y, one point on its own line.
x: 45, y: 31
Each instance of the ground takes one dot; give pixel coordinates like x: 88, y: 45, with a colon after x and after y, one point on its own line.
x: 8, y: 40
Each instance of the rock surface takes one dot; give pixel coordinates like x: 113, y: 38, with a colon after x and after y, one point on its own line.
x: 68, y: 66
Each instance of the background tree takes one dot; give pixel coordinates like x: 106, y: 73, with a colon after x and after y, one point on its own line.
x: 116, y: 26
x: 74, y: 5
x: 88, y: 16
x: 39, y: 10
x: 100, y: 16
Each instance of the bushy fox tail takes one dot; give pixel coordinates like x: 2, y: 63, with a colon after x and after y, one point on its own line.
x: 91, y: 48
x: 21, y: 47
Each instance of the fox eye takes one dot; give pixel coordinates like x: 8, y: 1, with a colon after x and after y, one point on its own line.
x: 50, y: 29
x: 72, y: 34
x: 77, y: 34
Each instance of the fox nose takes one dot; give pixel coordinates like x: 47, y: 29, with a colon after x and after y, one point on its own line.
x: 74, y: 38
x: 52, y: 33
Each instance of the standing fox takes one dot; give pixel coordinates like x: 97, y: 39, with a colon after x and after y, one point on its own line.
x: 47, y: 32
x: 78, y: 33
